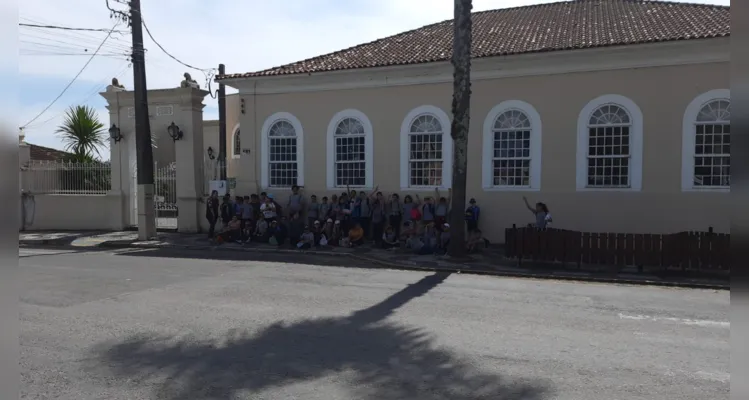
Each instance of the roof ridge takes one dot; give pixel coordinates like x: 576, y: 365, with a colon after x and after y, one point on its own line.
x: 328, y: 61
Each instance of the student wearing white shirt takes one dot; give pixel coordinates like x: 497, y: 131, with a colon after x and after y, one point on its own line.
x: 268, y: 209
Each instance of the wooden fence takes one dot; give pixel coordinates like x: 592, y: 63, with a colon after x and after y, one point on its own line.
x: 702, y: 251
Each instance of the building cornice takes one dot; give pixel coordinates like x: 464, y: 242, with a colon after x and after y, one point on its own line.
x: 685, y: 52
x: 184, y: 96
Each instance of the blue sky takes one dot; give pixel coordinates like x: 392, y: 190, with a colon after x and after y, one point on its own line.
x: 245, y: 35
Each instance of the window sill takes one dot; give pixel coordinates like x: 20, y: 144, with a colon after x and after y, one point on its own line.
x: 706, y: 190
x: 343, y: 188
x: 594, y: 189
x: 510, y: 189
x: 235, y: 156
x: 421, y: 189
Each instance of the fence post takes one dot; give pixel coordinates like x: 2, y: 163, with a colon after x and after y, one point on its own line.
x: 709, y: 239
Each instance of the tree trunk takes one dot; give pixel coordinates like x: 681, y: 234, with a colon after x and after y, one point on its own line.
x: 461, y: 109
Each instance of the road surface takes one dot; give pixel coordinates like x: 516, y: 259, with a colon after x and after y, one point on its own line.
x: 170, y: 324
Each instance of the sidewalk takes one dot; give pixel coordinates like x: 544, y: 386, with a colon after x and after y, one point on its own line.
x: 490, y: 261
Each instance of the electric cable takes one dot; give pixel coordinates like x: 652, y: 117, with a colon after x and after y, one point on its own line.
x: 73, y: 80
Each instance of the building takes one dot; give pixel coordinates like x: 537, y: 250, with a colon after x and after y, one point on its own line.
x: 616, y: 113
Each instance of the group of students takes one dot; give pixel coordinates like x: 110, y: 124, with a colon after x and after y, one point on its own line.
x: 348, y: 220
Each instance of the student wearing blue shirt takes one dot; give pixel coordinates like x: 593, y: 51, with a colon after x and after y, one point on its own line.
x: 472, y: 215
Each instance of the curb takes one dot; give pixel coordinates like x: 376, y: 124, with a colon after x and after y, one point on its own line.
x: 406, y: 267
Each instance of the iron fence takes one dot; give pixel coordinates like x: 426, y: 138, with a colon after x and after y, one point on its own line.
x: 61, y: 177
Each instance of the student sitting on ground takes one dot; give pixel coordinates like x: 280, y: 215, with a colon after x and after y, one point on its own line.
x: 306, y: 240
x: 356, y: 235
x: 261, y: 230
x: 278, y: 233
x: 415, y: 243
x: 327, y: 233
x: 316, y: 232
x: 430, y: 235
x: 389, y: 239
x: 409, y: 229
x: 232, y: 232
x: 475, y: 239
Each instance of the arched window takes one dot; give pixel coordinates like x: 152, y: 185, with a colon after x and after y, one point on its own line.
x: 610, y: 144
x: 236, y: 148
x: 609, y: 150
x: 350, y: 150
x: 707, y: 142
x: 512, y: 147
x: 426, y: 149
x: 282, y: 152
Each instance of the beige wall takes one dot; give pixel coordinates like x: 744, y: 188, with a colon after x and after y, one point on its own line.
x: 211, y: 133
x: 662, y: 93
x: 74, y: 212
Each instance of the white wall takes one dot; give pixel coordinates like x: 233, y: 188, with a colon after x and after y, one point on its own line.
x: 74, y: 212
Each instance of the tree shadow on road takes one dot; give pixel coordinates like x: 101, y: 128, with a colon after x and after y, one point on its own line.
x: 384, y: 359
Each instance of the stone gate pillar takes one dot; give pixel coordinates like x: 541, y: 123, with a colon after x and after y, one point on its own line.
x: 189, y: 159
x: 118, y: 100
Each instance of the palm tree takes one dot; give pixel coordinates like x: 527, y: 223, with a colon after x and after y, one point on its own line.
x: 82, y: 132
x: 461, y: 108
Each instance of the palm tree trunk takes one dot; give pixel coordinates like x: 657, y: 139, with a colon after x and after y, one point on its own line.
x: 461, y: 109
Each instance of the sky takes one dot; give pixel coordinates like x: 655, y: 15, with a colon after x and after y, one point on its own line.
x: 245, y: 35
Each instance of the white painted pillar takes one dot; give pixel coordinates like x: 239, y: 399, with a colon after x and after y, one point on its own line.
x: 189, y: 157
x: 119, y: 158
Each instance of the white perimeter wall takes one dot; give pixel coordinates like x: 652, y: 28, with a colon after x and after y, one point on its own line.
x: 74, y: 212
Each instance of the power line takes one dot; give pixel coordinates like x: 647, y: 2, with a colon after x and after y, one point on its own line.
x: 73, y: 80
x: 68, y: 28
x: 49, y: 54
x: 207, y: 72
x: 37, y: 46
x: 95, y: 90
x: 203, y: 70
x: 84, y: 42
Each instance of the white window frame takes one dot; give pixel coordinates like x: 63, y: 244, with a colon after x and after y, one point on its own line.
x: 233, y: 138
x: 688, y: 139
x: 635, y: 143
x: 447, y: 148
x: 368, y: 148
x: 264, y: 149
x: 487, y: 170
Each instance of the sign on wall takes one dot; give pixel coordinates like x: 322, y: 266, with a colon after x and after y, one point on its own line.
x: 219, y: 186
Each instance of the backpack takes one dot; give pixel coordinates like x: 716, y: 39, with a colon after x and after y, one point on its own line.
x: 469, y: 214
x: 415, y: 214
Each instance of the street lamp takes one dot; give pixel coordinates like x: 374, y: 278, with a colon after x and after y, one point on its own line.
x: 210, y: 153
x: 114, y: 133
x: 174, y: 132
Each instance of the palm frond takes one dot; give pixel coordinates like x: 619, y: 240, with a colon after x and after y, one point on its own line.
x: 82, y: 132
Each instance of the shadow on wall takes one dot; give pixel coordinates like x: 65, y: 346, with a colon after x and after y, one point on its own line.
x: 386, y: 360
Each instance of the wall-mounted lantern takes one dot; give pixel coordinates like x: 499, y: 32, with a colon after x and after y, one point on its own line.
x: 174, y: 132
x: 210, y: 153
x: 114, y: 133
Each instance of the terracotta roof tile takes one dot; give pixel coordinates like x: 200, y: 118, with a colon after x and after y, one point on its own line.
x: 41, y: 153
x: 568, y: 25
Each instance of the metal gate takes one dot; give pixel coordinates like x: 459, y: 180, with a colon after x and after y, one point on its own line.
x: 165, y: 196
x: 164, y: 199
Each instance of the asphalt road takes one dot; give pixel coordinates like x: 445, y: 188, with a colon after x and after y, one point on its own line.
x: 158, y: 325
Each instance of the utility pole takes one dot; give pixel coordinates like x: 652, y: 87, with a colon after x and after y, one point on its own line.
x: 146, y: 212
x: 222, y: 124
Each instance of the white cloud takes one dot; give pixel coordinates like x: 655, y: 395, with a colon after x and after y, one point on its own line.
x: 246, y: 35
